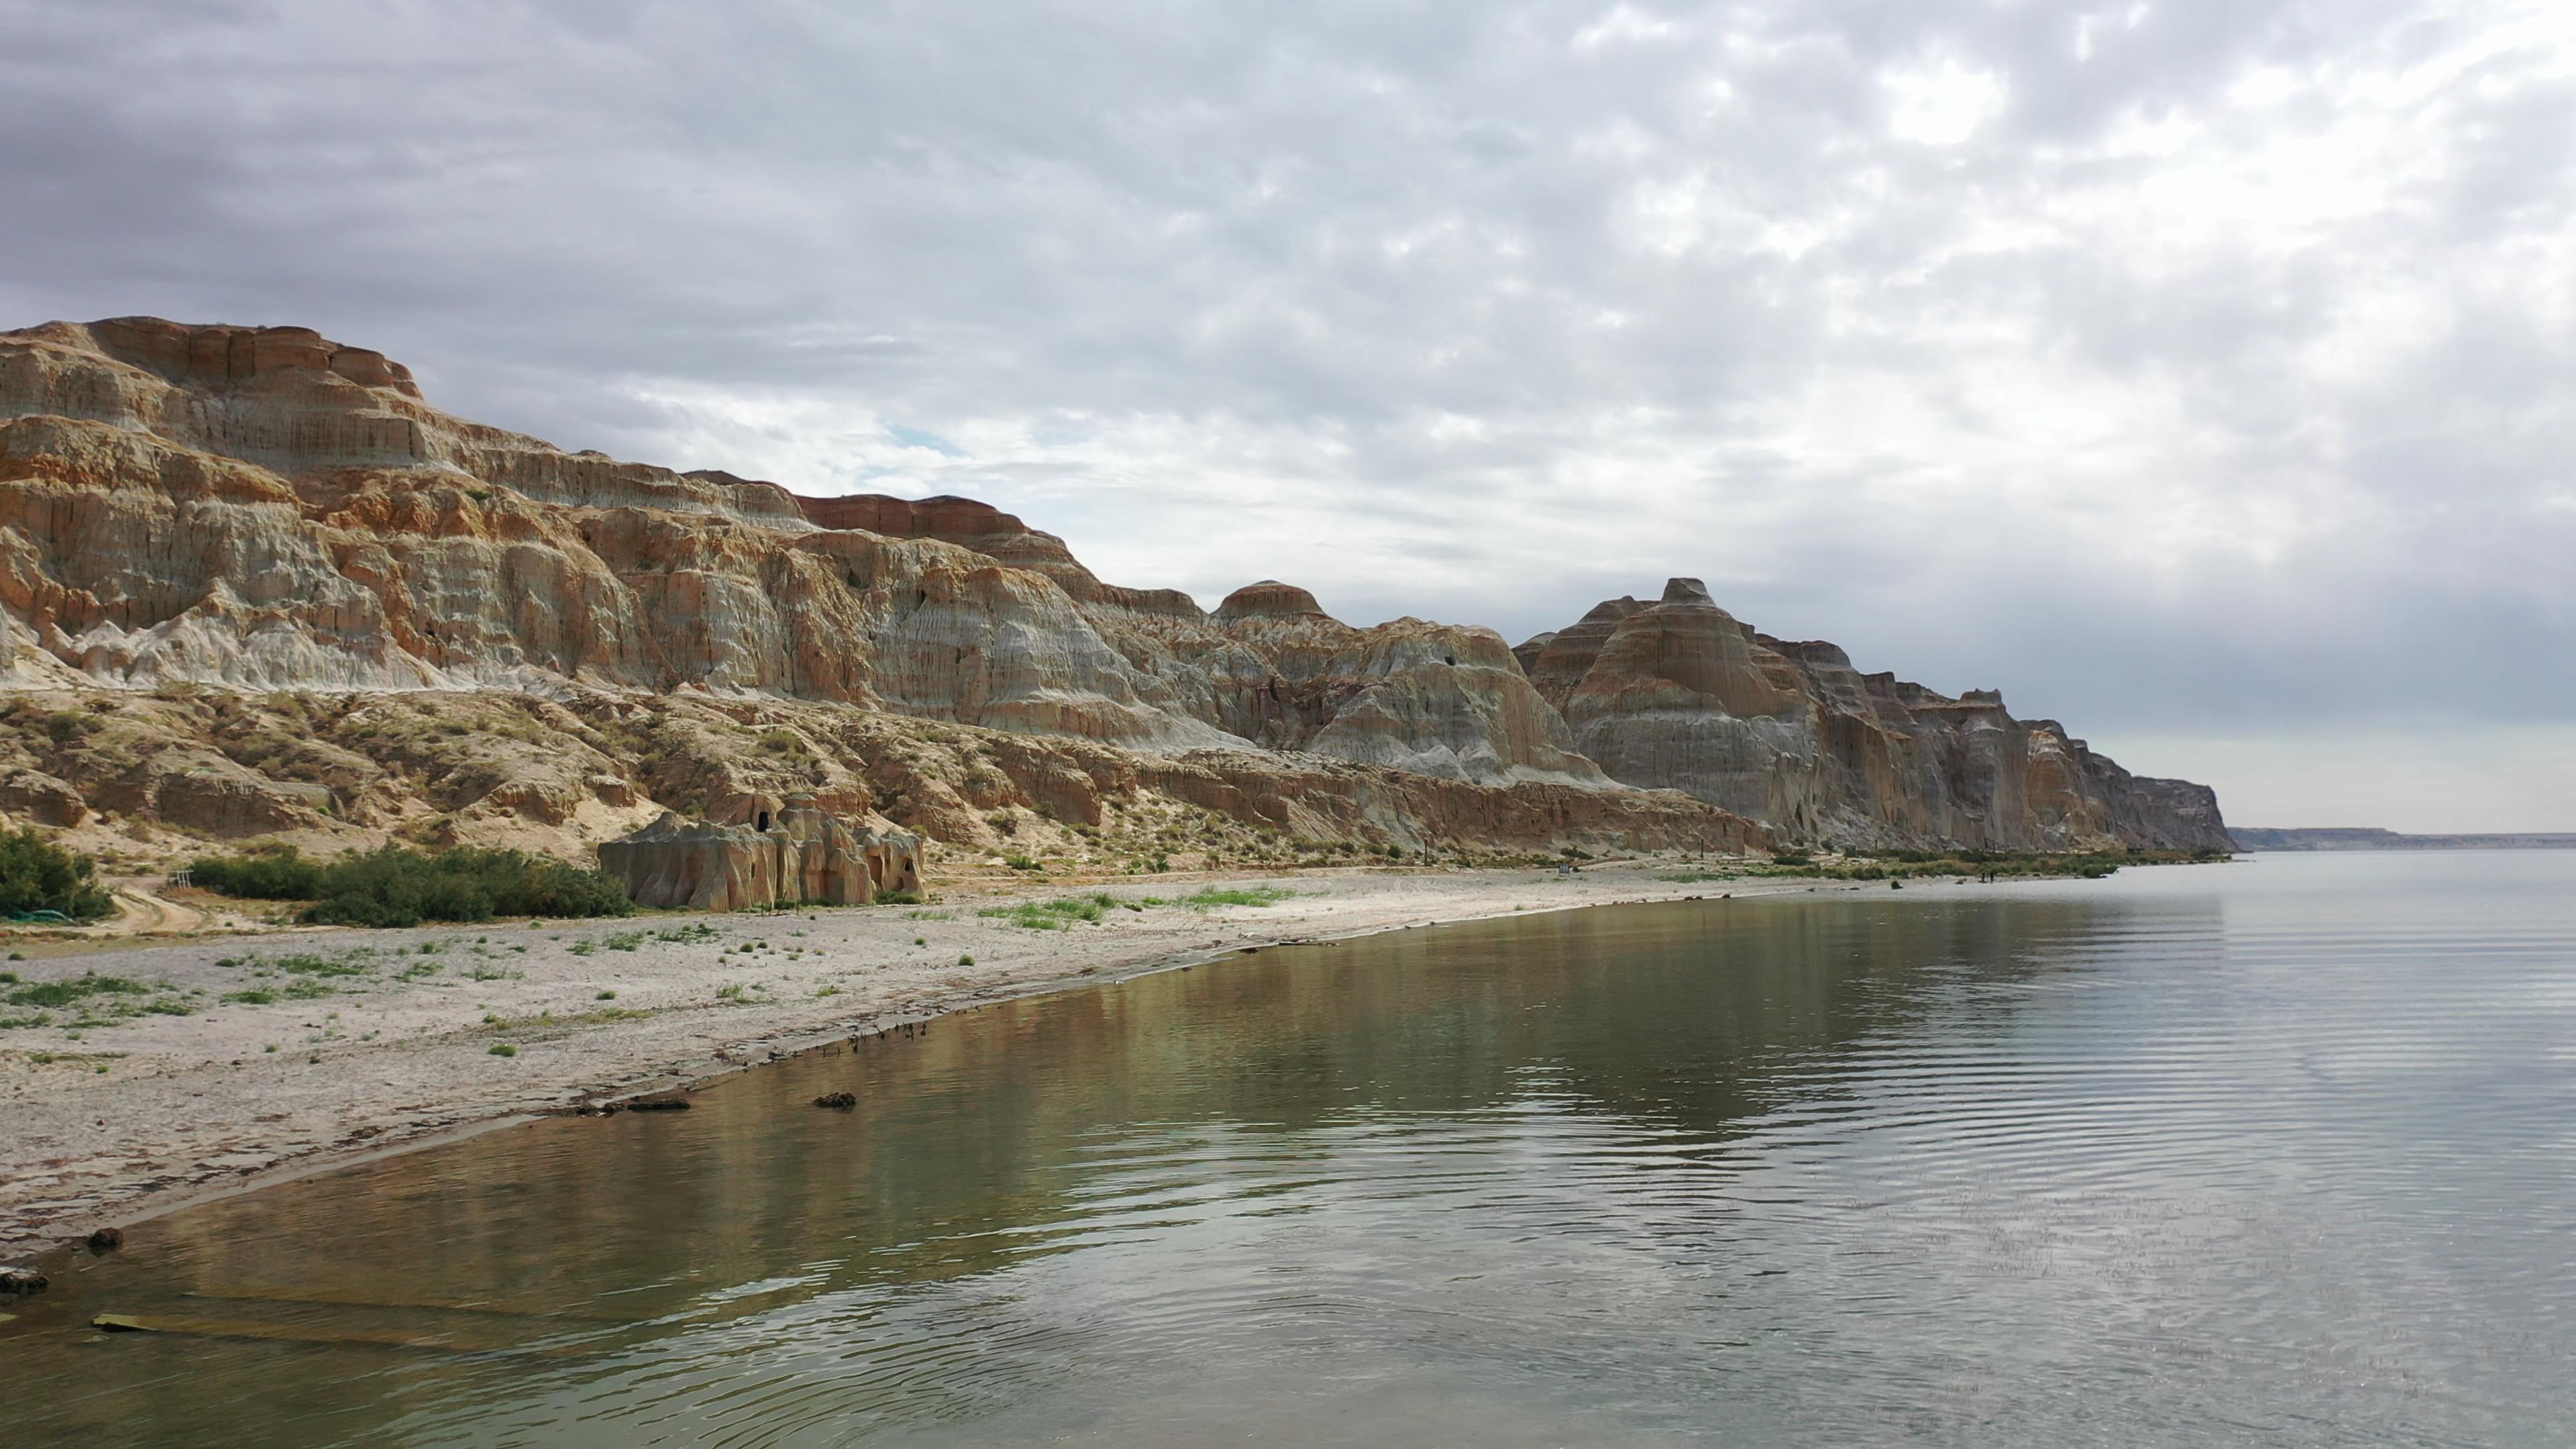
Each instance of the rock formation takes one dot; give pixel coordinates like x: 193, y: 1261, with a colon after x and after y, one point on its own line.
x: 1678, y: 694
x: 790, y: 854
x: 252, y: 583
x: 259, y: 508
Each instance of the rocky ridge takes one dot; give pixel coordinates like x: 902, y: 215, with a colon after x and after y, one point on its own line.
x: 213, y: 538
x: 1679, y: 694
x: 249, y: 511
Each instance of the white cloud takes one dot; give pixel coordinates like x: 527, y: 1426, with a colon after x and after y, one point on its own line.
x: 1942, y: 104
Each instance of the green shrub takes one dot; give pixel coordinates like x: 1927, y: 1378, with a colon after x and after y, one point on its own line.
x: 279, y: 875
x: 400, y: 886
x: 37, y: 875
x: 1021, y: 862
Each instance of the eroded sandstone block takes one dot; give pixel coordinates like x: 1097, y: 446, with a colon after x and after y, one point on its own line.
x: 777, y: 853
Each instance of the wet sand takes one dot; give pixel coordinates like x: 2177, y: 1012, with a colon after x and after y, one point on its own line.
x: 374, y: 1040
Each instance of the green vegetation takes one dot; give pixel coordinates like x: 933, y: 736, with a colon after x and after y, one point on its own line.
x: 1021, y: 862
x: 504, y: 1049
x: 272, y: 875
x: 401, y: 886
x: 93, y: 1000
x: 72, y: 992
x: 1238, y: 896
x: 1054, y: 915
x: 37, y: 875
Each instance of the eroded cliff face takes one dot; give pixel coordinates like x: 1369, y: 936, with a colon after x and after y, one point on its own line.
x: 1678, y: 694
x: 265, y: 509
x: 258, y: 509
x: 261, y: 509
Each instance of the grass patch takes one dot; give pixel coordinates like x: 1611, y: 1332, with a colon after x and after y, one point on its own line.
x: 503, y: 1049
x: 75, y: 991
x: 1215, y: 896
x: 94, y: 1000
x: 1055, y: 915
x: 683, y: 935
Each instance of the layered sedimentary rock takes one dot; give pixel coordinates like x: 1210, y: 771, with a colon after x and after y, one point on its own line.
x: 1678, y: 694
x: 261, y: 508
x: 247, y: 510
x: 561, y: 773
x: 795, y: 854
x: 245, y: 507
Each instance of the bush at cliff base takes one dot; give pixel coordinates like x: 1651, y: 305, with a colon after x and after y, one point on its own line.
x: 275, y: 875
x: 36, y: 875
x: 399, y: 886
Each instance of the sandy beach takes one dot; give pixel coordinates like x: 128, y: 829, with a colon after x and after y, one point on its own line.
x: 306, y: 1047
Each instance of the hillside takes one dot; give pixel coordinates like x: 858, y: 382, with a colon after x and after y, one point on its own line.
x: 252, y: 583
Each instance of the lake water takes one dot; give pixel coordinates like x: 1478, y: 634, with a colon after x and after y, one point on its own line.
x: 2282, y: 1151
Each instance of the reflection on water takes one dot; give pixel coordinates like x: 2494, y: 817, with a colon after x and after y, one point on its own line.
x: 2277, y: 1150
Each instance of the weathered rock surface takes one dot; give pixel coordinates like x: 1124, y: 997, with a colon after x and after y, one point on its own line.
x: 247, y: 510
x: 793, y: 855
x: 260, y: 508
x: 1678, y: 694
x: 562, y: 773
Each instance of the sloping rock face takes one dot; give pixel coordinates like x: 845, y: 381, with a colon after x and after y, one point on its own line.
x: 261, y: 508
x: 254, y: 510
x: 795, y: 855
x: 1271, y: 668
x: 1678, y: 694
x: 563, y: 773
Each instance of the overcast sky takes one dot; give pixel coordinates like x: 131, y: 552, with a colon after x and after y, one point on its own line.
x: 2197, y: 373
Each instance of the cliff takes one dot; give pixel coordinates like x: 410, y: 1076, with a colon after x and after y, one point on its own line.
x: 1678, y: 694
x: 261, y: 509
x: 254, y: 511
x: 2258, y: 838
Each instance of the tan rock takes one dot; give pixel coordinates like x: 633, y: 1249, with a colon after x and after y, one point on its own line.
x: 792, y: 855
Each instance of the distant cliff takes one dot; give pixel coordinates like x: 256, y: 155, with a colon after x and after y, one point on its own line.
x: 261, y: 511
x: 2253, y: 837
x: 1677, y: 694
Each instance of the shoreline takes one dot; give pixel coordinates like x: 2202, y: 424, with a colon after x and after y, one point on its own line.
x: 152, y: 1114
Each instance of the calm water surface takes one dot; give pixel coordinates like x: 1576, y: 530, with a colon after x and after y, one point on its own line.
x: 2279, y: 1152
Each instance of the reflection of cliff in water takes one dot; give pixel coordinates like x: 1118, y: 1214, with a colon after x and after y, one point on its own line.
x: 1008, y: 1133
